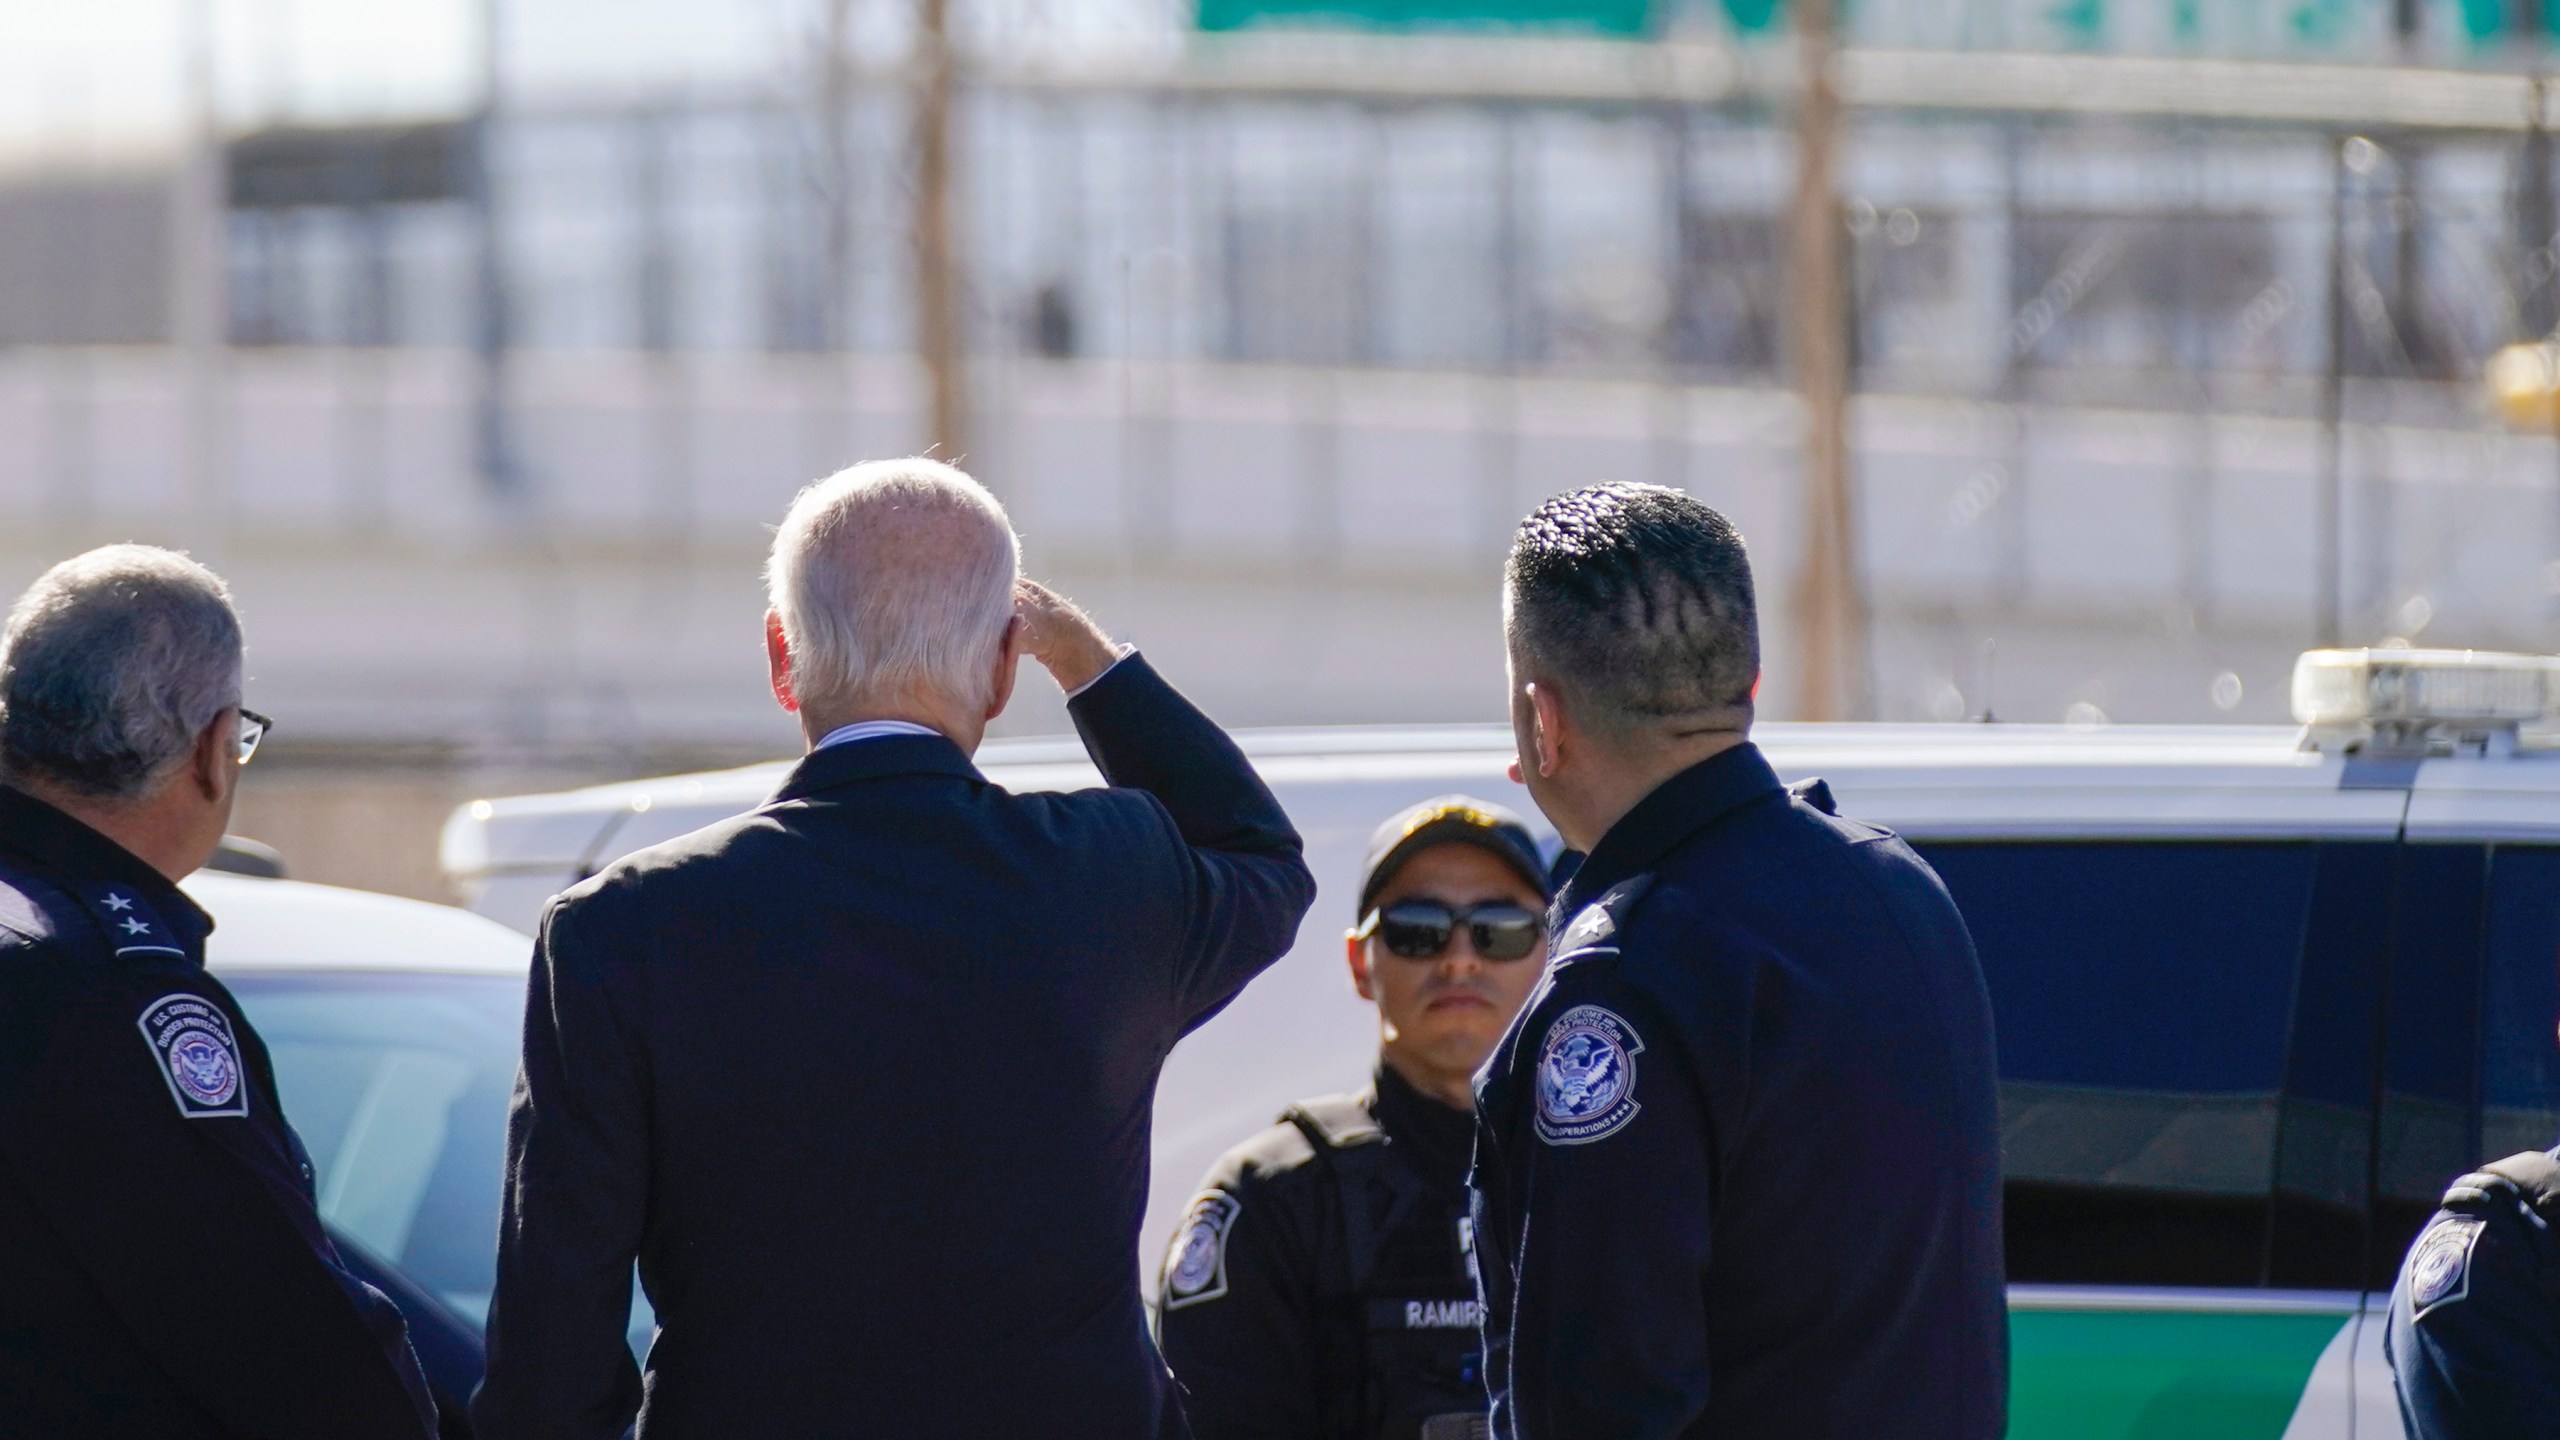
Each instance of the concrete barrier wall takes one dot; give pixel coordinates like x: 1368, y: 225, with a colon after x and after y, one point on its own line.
x: 1300, y: 546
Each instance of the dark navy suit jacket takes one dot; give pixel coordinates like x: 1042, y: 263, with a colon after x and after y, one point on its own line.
x: 1739, y: 1157
x: 863, y: 1079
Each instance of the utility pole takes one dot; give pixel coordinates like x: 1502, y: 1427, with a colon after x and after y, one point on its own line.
x: 939, y: 337
x: 2329, y: 502
x: 200, y: 301
x: 2537, y: 216
x: 835, y: 102
x: 1831, y: 613
x: 492, y: 449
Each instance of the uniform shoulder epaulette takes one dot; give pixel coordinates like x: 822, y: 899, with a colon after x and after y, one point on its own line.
x: 1814, y: 792
x: 2532, y: 1179
x: 1336, y: 1122
x: 1594, y: 930
x: 1259, y: 1159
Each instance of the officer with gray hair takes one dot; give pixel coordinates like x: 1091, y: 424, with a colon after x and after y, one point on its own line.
x: 862, y: 1079
x: 166, y: 1270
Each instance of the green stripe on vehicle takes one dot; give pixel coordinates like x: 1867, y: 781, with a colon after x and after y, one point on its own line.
x: 2160, y: 1374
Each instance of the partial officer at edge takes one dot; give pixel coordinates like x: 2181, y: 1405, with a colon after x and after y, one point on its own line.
x: 1321, y: 1285
x: 166, y: 1271
x: 2474, y: 1341
x: 1739, y: 1159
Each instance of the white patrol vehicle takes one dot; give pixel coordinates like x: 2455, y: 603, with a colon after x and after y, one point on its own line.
x: 394, y: 1027
x: 2260, y: 994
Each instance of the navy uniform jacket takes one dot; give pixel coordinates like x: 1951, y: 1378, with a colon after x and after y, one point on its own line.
x: 1327, y: 1295
x: 2474, y: 1341
x: 1739, y: 1157
x: 163, y: 1270
x: 863, y: 1079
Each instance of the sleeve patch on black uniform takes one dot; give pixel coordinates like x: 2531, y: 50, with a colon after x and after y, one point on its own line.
x: 1195, y: 1269
x: 191, y: 1039
x: 2440, y: 1267
x: 1587, y: 1076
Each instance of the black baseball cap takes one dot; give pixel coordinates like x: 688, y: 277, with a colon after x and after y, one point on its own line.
x: 1451, y: 820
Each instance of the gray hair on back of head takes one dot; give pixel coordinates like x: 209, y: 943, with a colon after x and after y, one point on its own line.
x: 893, y: 577
x: 111, y: 664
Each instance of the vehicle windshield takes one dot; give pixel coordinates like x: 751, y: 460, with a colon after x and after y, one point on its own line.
x: 398, y: 1085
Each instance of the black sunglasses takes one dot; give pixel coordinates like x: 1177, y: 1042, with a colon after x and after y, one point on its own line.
x: 1420, y: 929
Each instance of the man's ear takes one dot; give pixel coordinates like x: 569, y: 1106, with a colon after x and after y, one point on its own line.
x: 1357, y: 951
x: 777, y: 659
x: 215, y: 753
x: 1547, y: 729
x: 1008, y: 665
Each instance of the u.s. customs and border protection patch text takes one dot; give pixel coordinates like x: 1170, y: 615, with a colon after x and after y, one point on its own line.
x: 1586, y: 1078
x: 1195, y: 1269
x: 191, y: 1039
x: 2440, y: 1268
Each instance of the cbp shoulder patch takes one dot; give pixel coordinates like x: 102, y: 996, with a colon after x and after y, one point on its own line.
x: 2440, y: 1266
x: 1195, y: 1269
x: 191, y: 1039
x: 1587, y: 1076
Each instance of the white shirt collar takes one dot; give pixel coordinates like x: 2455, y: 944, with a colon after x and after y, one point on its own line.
x: 871, y: 730
x: 881, y: 729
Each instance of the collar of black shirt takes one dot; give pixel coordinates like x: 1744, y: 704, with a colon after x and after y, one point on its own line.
x: 58, y: 844
x: 1438, y: 1139
x: 877, y: 758
x: 1677, y: 809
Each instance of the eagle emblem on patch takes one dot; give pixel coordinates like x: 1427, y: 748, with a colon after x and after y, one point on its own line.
x: 1587, y: 1076
x: 1195, y: 1268
x: 2440, y: 1268
x: 191, y: 1039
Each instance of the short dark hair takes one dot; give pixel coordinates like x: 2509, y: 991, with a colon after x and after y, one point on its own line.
x: 1638, y: 598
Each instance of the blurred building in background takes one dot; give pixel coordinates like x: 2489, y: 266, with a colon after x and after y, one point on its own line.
x: 1272, y: 317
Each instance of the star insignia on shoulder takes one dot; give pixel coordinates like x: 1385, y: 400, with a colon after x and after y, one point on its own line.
x: 135, y: 927
x: 118, y: 903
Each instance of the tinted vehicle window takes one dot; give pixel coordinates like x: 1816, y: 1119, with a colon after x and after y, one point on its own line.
x: 2432, y: 1043
x: 2472, y: 1070
x: 398, y: 1086
x: 2520, y: 1004
x: 2166, y: 1100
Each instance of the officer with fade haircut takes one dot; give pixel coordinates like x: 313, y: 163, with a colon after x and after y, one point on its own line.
x: 163, y: 1270
x: 2474, y: 1342
x: 1321, y: 1287
x: 1739, y: 1160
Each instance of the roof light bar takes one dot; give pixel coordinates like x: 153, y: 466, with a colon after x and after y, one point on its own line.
x: 2417, y: 701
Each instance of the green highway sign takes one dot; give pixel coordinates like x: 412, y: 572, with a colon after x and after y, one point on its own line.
x: 2453, y: 30
x: 1630, y: 19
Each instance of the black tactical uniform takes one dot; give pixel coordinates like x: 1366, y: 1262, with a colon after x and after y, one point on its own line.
x: 163, y: 1271
x: 2475, y: 1320
x: 1320, y: 1289
x: 1739, y: 1158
